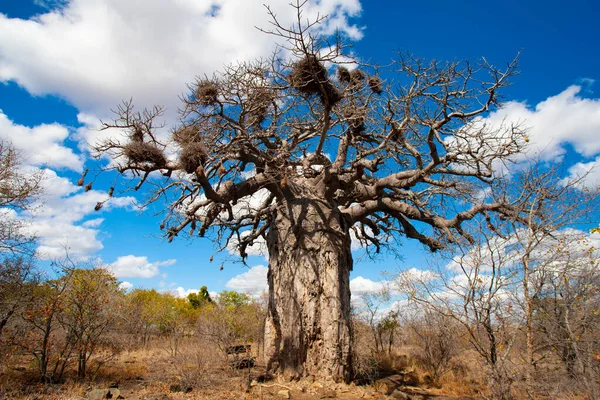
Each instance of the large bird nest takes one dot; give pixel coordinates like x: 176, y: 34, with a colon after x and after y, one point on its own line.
x: 186, y: 135
x: 309, y: 76
x: 207, y: 93
x: 343, y: 75
x: 258, y: 105
x: 140, y: 152
x: 357, y: 77
x: 192, y: 156
x: 375, y: 84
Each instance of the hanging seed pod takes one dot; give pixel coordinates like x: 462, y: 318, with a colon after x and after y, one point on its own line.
x: 88, y: 187
x: 211, y: 259
x: 111, y: 191
x: 98, y: 206
x: 162, y: 226
x: 81, y: 180
x: 283, y: 183
x: 221, y: 269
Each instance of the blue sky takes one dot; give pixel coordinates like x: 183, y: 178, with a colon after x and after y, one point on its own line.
x: 64, y: 64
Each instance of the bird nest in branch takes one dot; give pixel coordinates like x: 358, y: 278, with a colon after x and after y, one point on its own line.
x: 186, y: 135
x: 207, y: 93
x: 192, y: 156
x: 343, y: 75
x: 140, y: 152
x: 309, y: 76
x: 357, y: 77
x: 258, y: 105
x: 375, y: 84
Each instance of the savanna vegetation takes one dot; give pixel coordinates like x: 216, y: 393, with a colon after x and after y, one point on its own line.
x: 305, y: 152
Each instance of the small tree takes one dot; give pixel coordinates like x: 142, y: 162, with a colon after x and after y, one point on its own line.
x: 18, y: 190
x: 200, y: 299
x: 51, y: 347
x: 87, y: 312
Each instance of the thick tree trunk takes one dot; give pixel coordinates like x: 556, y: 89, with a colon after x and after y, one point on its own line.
x: 308, y: 330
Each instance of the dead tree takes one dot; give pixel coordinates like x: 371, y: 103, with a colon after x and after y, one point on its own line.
x: 283, y: 150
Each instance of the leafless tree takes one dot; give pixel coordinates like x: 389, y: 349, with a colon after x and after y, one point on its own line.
x: 506, y: 282
x: 18, y: 190
x: 471, y: 286
x: 281, y: 151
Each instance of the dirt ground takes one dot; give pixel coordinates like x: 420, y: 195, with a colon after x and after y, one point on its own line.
x: 198, y: 372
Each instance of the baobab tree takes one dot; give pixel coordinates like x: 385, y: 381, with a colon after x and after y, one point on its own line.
x: 306, y: 152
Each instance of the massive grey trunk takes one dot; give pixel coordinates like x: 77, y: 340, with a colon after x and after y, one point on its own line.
x: 308, y: 330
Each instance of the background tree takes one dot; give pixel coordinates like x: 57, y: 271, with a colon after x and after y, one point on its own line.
x: 18, y: 190
x: 200, y: 299
x: 88, y: 312
x: 281, y: 150
x: 510, y: 290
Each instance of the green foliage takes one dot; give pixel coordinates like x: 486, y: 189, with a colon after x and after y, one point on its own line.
x: 231, y: 298
x: 200, y: 299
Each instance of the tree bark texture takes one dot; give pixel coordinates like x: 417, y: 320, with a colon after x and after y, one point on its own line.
x: 308, y: 330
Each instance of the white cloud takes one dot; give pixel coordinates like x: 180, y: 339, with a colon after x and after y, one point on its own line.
x: 56, y: 215
x: 181, y: 292
x: 94, y: 53
x: 360, y: 285
x: 566, y: 118
x: 136, y: 267
x: 587, y: 173
x: 258, y: 248
x: 41, y: 145
x: 93, y: 223
x: 125, y: 285
x: 253, y: 281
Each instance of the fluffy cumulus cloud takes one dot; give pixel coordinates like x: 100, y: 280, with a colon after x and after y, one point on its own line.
x: 136, y: 267
x: 94, y: 53
x: 360, y: 285
x: 566, y: 118
x: 588, y: 173
x: 253, y: 281
x: 56, y: 217
x: 41, y: 145
x: 125, y: 285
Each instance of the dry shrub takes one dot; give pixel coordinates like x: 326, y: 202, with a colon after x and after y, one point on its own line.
x: 207, y: 92
x: 375, y: 84
x: 309, y: 76
x: 140, y: 152
x: 343, y: 75
x: 186, y: 135
x: 192, y: 156
x: 192, y: 368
